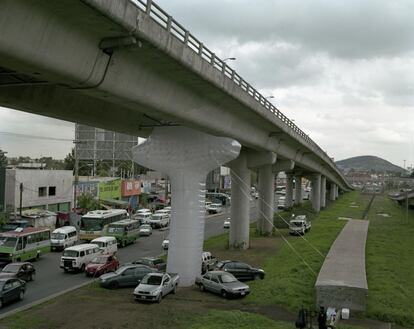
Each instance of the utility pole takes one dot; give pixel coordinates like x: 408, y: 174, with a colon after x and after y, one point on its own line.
x: 21, y: 199
x: 75, y: 183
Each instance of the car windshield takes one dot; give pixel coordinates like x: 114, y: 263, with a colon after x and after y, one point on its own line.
x: 298, y: 224
x: 11, y: 268
x: 226, y: 278
x: 57, y: 236
x: 91, y: 224
x: 8, y: 241
x: 145, y: 227
x: 100, y: 260
x: 115, y: 229
x: 70, y: 253
x: 152, y: 280
x: 157, y: 216
x: 99, y: 243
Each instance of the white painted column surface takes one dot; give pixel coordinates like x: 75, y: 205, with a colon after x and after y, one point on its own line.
x: 240, y: 203
x: 186, y: 156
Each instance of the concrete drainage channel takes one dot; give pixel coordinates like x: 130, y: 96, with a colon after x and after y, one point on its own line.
x: 366, y: 211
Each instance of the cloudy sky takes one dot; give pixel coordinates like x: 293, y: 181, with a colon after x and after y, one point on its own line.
x: 342, y: 69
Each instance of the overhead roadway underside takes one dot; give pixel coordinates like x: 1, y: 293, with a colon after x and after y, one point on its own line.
x: 72, y: 60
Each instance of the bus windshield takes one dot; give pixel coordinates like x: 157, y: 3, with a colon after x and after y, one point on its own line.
x: 8, y: 241
x: 115, y: 229
x: 91, y: 224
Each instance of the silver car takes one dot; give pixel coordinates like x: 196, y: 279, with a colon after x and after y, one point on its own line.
x: 145, y: 230
x: 222, y: 283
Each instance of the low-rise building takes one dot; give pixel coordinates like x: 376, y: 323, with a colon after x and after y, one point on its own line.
x: 41, y: 189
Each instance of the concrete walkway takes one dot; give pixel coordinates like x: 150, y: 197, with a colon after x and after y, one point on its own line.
x: 342, y: 281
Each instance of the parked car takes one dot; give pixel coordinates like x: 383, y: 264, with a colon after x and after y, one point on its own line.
x: 145, y: 230
x: 154, y: 286
x: 11, y: 290
x: 226, y: 223
x: 300, y: 225
x: 207, y: 261
x: 159, y: 220
x: 125, y: 276
x: 214, y: 208
x: 101, y: 265
x: 155, y: 263
x: 107, y: 244
x: 240, y: 270
x: 77, y: 257
x: 63, y: 237
x: 24, y: 271
x: 222, y: 283
x: 165, y: 243
x: 281, y: 202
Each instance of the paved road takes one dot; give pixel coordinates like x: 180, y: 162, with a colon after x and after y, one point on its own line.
x: 50, y: 279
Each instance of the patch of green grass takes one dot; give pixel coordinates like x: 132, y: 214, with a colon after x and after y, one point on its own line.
x: 291, y: 274
x: 22, y: 321
x: 240, y: 320
x: 390, y: 263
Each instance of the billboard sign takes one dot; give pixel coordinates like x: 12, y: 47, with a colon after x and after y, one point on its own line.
x: 131, y: 187
x: 110, y: 189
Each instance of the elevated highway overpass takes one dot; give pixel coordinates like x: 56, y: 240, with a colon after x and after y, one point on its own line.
x: 128, y: 66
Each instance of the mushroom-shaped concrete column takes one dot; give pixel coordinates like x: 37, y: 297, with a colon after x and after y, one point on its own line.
x: 186, y: 156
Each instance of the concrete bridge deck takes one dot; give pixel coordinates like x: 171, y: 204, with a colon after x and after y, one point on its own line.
x: 342, y: 281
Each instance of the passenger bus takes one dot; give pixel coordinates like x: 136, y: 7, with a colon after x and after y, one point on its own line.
x: 24, y: 244
x: 94, y: 222
x: 125, y: 231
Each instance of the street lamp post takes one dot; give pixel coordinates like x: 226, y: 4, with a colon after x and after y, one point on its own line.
x: 229, y: 59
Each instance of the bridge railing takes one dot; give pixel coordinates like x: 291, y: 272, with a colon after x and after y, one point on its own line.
x: 182, y: 34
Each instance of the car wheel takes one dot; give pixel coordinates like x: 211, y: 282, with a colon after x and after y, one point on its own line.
x: 31, y: 277
x: 82, y: 269
x: 65, y: 270
x: 21, y: 295
x: 202, y: 287
x: 224, y: 294
x: 174, y: 290
x: 159, y: 298
x: 1, y: 303
x: 114, y: 285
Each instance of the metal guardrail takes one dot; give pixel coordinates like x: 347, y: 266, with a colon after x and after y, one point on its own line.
x: 183, y: 35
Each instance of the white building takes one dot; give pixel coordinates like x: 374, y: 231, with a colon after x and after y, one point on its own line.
x: 42, y: 189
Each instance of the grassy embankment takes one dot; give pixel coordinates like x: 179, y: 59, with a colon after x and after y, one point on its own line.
x: 390, y: 263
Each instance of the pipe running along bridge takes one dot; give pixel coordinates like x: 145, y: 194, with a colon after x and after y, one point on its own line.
x: 130, y: 67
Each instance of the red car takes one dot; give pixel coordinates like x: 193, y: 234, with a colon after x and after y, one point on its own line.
x: 102, y: 264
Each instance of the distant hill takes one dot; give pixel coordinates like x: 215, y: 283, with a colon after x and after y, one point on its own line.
x: 368, y: 163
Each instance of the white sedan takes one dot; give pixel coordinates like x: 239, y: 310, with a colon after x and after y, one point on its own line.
x: 226, y: 223
x: 145, y: 230
x: 165, y: 244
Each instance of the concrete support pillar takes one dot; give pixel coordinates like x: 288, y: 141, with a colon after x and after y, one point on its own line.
x: 298, y: 190
x: 267, y: 199
x: 323, y: 192
x: 289, y: 191
x: 336, y: 191
x: 240, y: 202
x: 332, y: 191
x: 316, y: 192
x: 186, y: 156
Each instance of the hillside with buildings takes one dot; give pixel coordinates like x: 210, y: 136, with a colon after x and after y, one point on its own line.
x: 368, y: 163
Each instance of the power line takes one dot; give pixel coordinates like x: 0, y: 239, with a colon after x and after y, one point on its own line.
x: 36, y: 137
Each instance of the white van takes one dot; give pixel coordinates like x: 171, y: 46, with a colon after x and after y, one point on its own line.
x: 159, y: 220
x: 64, y: 237
x: 107, y: 244
x: 143, y: 217
x: 77, y: 257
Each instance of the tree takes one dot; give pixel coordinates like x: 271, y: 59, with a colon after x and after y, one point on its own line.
x: 88, y: 202
x: 69, y: 162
